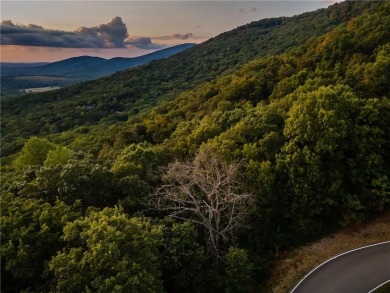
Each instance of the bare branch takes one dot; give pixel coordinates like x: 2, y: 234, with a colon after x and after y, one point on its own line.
x: 205, y: 192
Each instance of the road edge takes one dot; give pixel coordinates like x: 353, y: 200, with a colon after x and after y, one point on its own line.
x: 349, y: 251
x: 377, y: 287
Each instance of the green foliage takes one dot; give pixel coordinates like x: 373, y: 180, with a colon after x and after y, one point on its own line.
x: 33, y: 153
x: 108, y: 252
x: 183, y: 259
x: 239, y: 270
x: 135, y: 160
x: 31, y: 232
x: 331, y: 155
x: 59, y: 156
x: 80, y: 179
x: 309, y: 126
x: 376, y: 74
x: 133, y: 170
x: 133, y: 191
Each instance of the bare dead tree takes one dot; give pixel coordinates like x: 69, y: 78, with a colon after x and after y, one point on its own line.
x: 206, y: 192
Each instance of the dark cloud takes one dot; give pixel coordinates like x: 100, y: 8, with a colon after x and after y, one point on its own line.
x: 147, y: 43
x: 143, y: 43
x: 183, y: 36
x: 244, y: 11
x: 110, y: 35
x: 178, y: 36
x: 7, y: 22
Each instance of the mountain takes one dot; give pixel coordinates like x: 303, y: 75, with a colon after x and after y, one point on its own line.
x: 87, y: 67
x: 58, y: 68
x: 134, y: 90
x: 17, y: 76
x: 8, y: 65
x: 71, y: 67
x: 113, y: 65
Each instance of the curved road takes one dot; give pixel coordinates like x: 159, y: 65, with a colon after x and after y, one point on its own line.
x: 356, y: 271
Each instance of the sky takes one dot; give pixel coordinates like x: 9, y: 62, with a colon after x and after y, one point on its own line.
x: 47, y: 31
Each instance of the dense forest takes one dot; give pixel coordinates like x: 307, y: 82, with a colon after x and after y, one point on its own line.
x: 191, y: 174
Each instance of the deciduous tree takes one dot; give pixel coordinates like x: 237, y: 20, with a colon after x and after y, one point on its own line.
x: 207, y: 192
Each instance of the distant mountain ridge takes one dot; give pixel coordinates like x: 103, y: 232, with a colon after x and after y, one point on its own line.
x: 7, y: 65
x: 69, y: 67
x: 88, y: 67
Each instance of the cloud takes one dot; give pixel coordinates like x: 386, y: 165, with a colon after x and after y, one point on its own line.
x: 178, y: 36
x: 244, y: 11
x: 183, y: 36
x: 110, y: 35
x: 144, y: 43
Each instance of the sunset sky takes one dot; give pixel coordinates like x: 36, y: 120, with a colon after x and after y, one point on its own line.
x: 39, y: 31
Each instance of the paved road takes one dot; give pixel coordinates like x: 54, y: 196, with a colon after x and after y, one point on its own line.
x: 356, y: 272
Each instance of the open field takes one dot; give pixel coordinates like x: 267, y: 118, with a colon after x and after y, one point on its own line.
x: 40, y: 89
x: 295, y: 264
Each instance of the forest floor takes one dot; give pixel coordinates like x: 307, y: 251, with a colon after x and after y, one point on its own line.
x: 295, y: 264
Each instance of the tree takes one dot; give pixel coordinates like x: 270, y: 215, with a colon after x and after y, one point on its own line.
x: 109, y: 252
x: 76, y: 180
x: 182, y: 257
x: 206, y: 192
x: 135, y: 160
x: 333, y: 157
x: 59, y: 156
x: 31, y: 231
x: 239, y: 270
x: 34, y: 152
x: 133, y: 170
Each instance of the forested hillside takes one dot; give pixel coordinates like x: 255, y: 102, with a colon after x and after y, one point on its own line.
x: 183, y: 178
x: 126, y: 93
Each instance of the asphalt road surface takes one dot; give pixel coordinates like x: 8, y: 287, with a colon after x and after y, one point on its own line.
x: 358, y: 271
